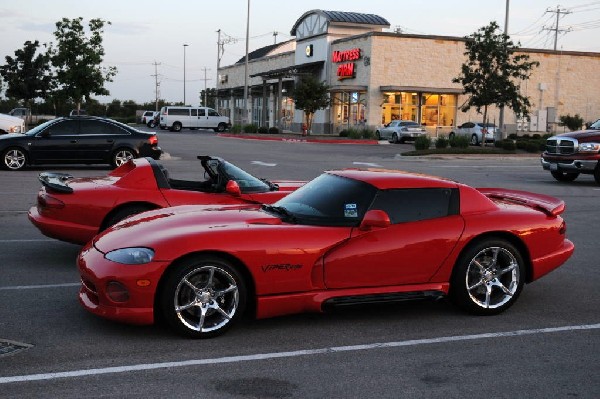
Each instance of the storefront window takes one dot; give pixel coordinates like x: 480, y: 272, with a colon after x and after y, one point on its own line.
x: 348, y: 110
x: 287, y: 113
x: 438, y: 109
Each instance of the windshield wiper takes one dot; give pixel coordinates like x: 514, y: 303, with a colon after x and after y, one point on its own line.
x: 272, y: 186
x: 279, y: 210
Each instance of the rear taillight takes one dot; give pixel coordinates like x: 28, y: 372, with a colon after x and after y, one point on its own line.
x: 153, y: 140
x: 47, y: 201
x: 563, y: 228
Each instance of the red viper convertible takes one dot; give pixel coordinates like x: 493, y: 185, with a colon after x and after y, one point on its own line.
x: 349, y: 236
x: 76, y: 209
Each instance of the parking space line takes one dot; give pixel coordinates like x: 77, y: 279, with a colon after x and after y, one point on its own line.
x: 35, y: 287
x: 291, y: 354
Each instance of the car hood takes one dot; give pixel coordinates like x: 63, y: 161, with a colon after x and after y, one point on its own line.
x: 151, y: 227
x: 582, y: 136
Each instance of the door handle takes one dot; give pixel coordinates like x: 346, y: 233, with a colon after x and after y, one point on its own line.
x: 73, y: 141
x: 109, y: 140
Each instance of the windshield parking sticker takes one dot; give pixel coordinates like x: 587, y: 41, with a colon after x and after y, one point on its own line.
x: 350, y: 211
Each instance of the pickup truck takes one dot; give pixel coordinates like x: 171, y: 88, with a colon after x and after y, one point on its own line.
x: 25, y: 114
x: 11, y: 124
x: 570, y: 154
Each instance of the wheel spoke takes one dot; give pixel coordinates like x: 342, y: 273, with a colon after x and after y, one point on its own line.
x: 179, y: 309
x: 224, y: 313
x: 507, y: 269
x: 211, y: 276
x: 495, y: 252
x: 477, y: 284
x: 497, y: 283
x: 192, y: 286
x: 479, y: 265
x: 231, y: 288
x: 488, y: 295
x: 203, y: 310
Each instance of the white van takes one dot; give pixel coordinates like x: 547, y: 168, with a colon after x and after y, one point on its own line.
x: 177, y: 118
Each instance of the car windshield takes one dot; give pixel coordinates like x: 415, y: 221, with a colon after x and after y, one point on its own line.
x: 41, y: 127
x: 595, y: 125
x: 247, y: 182
x: 486, y: 125
x: 409, y: 123
x: 329, y: 200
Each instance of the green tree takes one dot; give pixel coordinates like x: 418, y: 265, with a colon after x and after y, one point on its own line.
x: 310, y: 95
x: 574, y: 122
x: 211, y: 97
x: 492, y: 71
x: 78, y: 60
x: 27, y: 75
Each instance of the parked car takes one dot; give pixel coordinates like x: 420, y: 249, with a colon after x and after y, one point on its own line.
x: 475, y: 131
x: 568, y: 155
x: 155, y: 121
x: 80, y: 112
x: 177, y: 118
x: 75, y: 209
x: 77, y: 139
x: 594, y: 125
x: 11, y: 124
x: 148, y: 116
x: 398, y: 131
x: 347, y: 237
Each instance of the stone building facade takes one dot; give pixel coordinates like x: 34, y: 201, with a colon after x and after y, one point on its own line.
x: 376, y: 76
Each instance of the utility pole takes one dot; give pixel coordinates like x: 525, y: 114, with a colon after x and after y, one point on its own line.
x: 205, y: 79
x: 220, y: 50
x: 558, y: 11
x: 156, y: 84
x: 275, y: 37
x: 245, y: 99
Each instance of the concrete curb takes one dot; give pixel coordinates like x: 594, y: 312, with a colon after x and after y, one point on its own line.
x: 299, y: 139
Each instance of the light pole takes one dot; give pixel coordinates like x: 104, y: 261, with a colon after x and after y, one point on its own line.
x: 245, y: 102
x: 184, y: 46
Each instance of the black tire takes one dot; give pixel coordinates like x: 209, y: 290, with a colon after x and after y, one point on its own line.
x: 176, y: 127
x: 564, y: 176
x: 221, y: 128
x: 474, y: 140
x: 151, y: 124
x: 394, y: 138
x: 202, y: 297
x: 122, y: 214
x: 121, y: 156
x: 488, y: 277
x: 597, y: 174
x: 14, y: 158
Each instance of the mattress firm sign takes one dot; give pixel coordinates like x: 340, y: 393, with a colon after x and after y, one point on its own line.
x: 347, y: 67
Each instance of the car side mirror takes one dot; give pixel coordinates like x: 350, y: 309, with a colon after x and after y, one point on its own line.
x: 375, y: 218
x: 233, y: 188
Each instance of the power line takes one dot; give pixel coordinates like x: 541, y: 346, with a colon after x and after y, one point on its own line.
x: 558, y: 11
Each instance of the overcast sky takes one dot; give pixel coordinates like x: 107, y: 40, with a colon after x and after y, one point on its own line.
x: 145, y: 32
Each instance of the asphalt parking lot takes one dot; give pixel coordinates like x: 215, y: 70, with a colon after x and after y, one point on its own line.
x: 547, y: 345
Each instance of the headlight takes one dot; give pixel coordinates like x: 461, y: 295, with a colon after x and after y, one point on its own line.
x: 14, y: 129
x: 589, y: 147
x: 131, y: 256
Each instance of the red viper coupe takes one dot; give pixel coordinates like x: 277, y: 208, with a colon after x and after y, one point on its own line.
x: 76, y: 209
x: 349, y: 236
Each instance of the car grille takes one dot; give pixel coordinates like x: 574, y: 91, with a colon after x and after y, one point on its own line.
x: 563, y: 146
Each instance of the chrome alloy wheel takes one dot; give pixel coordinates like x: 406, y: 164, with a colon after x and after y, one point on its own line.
x: 206, y: 299
x: 122, y: 156
x: 492, y: 277
x: 14, y: 159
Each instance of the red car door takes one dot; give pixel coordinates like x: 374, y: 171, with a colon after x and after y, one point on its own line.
x: 425, y: 227
x: 404, y: 253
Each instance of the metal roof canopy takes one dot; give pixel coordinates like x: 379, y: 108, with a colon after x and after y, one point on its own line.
x: 289, y: 71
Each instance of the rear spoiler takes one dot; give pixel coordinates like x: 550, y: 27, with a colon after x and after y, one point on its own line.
x: 56, y: 181
x: 551, y: 206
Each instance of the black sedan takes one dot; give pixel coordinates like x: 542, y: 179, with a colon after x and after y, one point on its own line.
x: 78, y: 139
